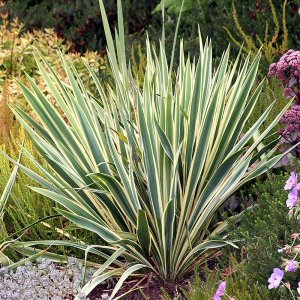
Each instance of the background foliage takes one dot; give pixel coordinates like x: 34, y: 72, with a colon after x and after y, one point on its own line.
x: 16, y: 59
x: 240, y: 21
x: 80, y: 21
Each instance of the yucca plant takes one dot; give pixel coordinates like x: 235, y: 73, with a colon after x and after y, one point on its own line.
x: 147, y: 169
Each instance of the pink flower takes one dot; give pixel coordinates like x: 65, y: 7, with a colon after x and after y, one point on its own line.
x: 292, y: 198
x: 220, y: 291
x: 287, y: 72
x: 275, y: 278
x: 290, y: 133
x: 291, y: 266
x: 294, y: 235
x: 272, y: 69
x: 291, y: 182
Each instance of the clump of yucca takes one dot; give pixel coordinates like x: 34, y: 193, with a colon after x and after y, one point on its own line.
x: 147, y: 168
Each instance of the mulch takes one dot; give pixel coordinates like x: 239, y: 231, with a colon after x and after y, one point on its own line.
x: 150, y: 287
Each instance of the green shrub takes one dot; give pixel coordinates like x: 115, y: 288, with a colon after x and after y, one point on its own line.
x: 271, y: 92
x: 80, y: 21
x: 254, y: 23
x: 273, y: 41
x: 210, y: 15
x: 16, y: 58
x: 262, y: 231
x: 238, y: 285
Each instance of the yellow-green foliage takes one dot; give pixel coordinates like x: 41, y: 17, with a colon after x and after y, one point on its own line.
x: 138, y: 62
x: 25, y: 207
x: 16, y: 58
x: 271, y: 92
x: 272, y: 43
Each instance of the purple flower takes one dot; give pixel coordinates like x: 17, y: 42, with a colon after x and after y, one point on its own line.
x: 275, y: 278
x: 291, y: 182
x: 291, y: 266
x: 220, y: 291
x: 292, y: 198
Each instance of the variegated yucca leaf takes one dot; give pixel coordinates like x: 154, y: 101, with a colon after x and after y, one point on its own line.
x: 147, y: 169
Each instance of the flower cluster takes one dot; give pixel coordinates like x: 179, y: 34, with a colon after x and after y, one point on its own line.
x: 287, y: 71
x: 43, y: 281
x: 291, y: 132
x: 291, y: 264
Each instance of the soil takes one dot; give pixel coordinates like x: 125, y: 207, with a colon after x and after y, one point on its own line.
x: 151, y: 287
x: 148, y: 288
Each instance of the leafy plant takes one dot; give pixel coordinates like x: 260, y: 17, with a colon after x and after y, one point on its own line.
x: 147, y: 169
x: 262, y: 231
x: 43, y: 280
x: 79, y: 21
x: 238, y: 286
x: 272, y: 43
x: 175, y: 5
x: 16, y: 48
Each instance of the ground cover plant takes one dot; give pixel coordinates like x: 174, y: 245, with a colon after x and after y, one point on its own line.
x: 146, y: 168
x: 263, y: 229
x: 43, y: 280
